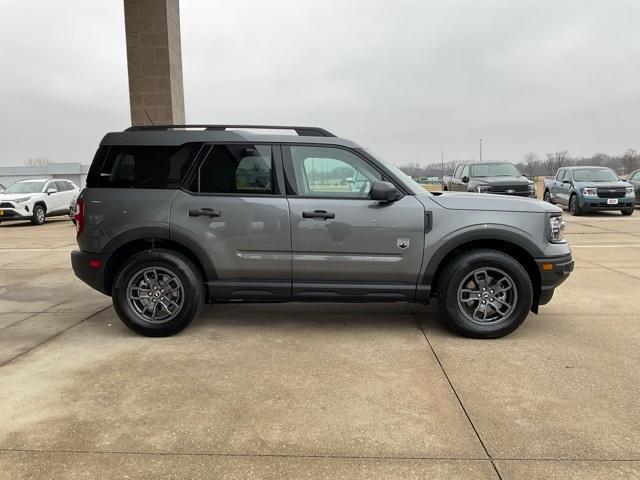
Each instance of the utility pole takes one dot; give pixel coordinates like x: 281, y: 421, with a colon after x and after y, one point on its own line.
x: 480, y: 149
x: 442, y: 161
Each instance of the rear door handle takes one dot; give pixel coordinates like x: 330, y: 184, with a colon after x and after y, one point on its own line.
x: 204, y: 212
x: 319, y: 214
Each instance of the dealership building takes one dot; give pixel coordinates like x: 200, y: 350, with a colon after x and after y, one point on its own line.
x: 75, y: 172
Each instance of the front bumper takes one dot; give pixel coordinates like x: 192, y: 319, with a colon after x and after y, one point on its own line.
x: 596, y: 203
x: 90, y: 268
x: 553, y: 271
x: 7, y: 214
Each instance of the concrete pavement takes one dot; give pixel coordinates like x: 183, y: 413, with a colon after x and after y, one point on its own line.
x: 321, y: 390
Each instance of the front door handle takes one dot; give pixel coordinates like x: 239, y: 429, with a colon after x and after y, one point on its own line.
x: 204, y: 212
x: 319, y: 214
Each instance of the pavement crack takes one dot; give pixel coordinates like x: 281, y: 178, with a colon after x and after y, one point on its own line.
x: 23, y: 354
x: 455, y: 392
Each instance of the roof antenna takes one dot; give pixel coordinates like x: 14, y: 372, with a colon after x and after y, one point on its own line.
x: 151, y: 121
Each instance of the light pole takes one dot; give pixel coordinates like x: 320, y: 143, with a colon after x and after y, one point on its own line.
x: 442, y: 161
x: 480, y: 149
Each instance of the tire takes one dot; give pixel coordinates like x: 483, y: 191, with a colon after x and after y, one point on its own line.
x: 627, y: 211
x: 547, y: 197
x: 461, y: 315
x: 138, y: 273
x: 574, y: 206
x: 39, y: 215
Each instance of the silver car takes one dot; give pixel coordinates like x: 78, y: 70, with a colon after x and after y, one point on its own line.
x: 176, y: 216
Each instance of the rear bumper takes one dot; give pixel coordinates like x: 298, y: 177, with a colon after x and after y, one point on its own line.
x: 90, y: 268
x: 553, y: 271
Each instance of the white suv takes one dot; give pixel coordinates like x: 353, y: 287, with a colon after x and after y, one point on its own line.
x: 37, y: 199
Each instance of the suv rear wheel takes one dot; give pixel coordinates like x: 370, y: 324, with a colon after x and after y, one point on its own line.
x: 485, y: 294
x: 157, y: 293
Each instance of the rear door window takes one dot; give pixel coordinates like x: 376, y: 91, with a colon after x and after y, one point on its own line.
x: 236, y: 169
x: 146, y: 166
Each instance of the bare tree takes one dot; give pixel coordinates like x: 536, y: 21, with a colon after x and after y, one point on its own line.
x: 532, y: 161
x: 629, y: 161
x: 556, y: 160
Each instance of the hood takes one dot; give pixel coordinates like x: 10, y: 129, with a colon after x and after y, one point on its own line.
x: 619, y: 184
x: 502, y: 180
x: 487, y: 201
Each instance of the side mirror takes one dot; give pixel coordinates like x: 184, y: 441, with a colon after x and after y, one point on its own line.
x: 384, y: 192
x: 51, y: 190
x: 465, y: 179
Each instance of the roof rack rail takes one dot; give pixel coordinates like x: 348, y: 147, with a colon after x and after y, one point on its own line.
x: 301, y: 131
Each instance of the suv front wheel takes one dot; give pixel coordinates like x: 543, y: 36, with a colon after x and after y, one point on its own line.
x: 485, y: 294
x: 158, y: 292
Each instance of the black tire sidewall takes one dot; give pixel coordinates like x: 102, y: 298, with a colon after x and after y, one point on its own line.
x: 573, y: 200
x: 183, y: 268
x: 464, y: 265
x: 35, y: 220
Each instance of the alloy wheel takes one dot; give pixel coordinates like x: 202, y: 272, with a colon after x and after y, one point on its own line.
x: 487, y: 295
x: 155, y: 294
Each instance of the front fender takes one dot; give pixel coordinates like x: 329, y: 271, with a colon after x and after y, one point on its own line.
x: 475, y: 233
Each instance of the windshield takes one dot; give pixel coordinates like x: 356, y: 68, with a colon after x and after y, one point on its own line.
x: 594, y: 175
x: 25, y: 187
x: 494, y: 170
x: 399, y: 173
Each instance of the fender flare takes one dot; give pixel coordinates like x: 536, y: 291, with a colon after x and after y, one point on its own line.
x: 164, y: 233
x: 478, y: 233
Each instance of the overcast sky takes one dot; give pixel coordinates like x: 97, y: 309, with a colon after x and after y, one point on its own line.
x: 405, y: 78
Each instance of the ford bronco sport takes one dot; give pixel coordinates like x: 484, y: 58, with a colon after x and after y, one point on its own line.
x: 176, y: 216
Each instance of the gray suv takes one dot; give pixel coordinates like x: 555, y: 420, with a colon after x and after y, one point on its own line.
x: 177, y: 216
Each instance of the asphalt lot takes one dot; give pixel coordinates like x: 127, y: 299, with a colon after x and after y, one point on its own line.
x: 321, y: 391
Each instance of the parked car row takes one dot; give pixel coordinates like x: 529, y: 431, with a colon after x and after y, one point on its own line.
x: 580, y: 189
x: 35, y: 200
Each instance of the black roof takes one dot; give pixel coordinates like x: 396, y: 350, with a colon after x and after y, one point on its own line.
x: 179, y: 134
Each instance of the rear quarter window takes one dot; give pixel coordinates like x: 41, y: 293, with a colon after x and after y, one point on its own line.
x: 142, y: 167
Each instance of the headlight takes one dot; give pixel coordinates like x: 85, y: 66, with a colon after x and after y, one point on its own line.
x: 557, y: 227
x: 590, y: 191
x: 532, y: 189
x: 482, y: 188
x: 22, y: 200
x: 630, y: 191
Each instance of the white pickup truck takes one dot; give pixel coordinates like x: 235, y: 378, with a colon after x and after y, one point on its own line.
x: 35, y: 200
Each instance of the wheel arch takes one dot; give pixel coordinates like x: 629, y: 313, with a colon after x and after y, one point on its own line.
x: 138, y: 240
x: 506, y: 241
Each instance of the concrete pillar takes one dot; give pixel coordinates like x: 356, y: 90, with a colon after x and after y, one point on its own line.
x: 154, y: 60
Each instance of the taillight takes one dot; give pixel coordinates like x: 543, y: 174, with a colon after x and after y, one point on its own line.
x: 79, y: 216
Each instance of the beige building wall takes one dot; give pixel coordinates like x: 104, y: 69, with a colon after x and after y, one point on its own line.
x: 154, y: 59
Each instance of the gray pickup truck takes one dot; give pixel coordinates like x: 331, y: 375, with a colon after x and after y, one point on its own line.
x: 176, y: 216
x: 500, y: 178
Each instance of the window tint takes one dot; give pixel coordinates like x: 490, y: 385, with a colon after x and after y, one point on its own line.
x: 61, y: 186
x: 237, y: 168
x: 327, y: 171
x: 465, y: 171
x: 560, y: 175
x: 457, y: 172
x: 146, y: 167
